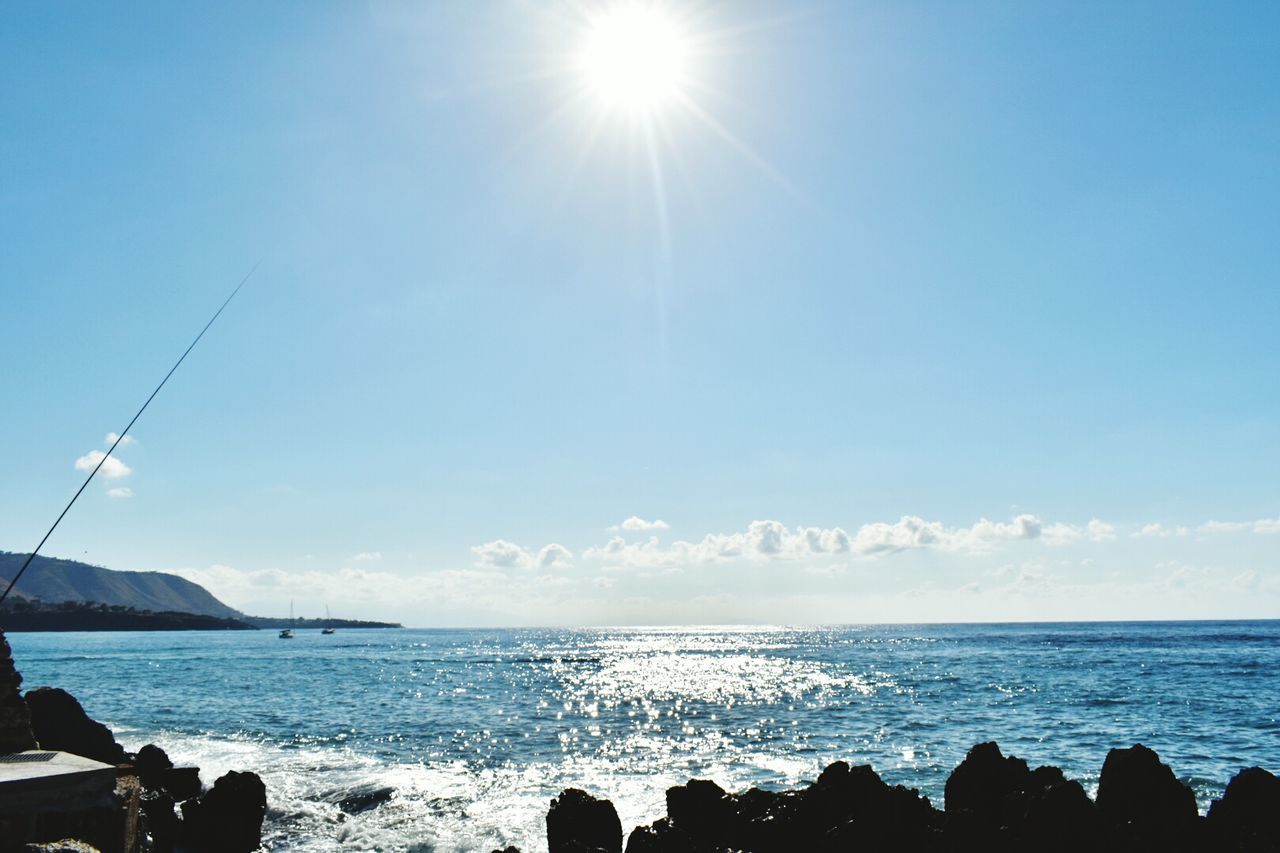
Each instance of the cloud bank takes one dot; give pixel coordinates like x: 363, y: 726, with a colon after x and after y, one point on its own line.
x: 772, y: 540
x: 904, y: 570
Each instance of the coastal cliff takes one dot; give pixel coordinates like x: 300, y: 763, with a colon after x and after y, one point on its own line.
x: 51, y: 579
x: 68, y: 595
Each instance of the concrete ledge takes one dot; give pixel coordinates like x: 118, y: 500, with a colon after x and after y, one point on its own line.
x: 41, y: 780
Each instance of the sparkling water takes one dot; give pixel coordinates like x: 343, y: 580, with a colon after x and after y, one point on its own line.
x: 476, y: 730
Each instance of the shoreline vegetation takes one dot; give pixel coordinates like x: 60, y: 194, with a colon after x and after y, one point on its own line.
x: 29, y: 616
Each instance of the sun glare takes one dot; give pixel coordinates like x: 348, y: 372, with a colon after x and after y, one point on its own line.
x: 634, y: 58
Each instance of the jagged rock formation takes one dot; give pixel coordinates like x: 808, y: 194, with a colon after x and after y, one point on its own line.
x: 993, y: 803
x: 579, y: 823
x: 15, y: 719
x: 59, y: 722
x: 846, y: 807
x: 228, y: 817
x: 1248, y: 815
x: 997, y: 802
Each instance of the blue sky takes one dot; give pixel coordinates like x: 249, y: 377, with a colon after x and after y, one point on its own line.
x: 977, y: 293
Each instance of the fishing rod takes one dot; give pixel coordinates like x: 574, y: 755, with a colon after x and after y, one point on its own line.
x: 124, y: 432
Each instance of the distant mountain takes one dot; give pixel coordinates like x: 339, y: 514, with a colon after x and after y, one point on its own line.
x: 53, y: 581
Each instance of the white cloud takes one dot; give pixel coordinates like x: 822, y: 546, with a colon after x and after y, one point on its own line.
x: 1066, y: 534
x: 112, y: 469
x: 772, y: 540
x: 125, y: 442
x: 367, y: 556
x: 120, y: 492
x: 635, y: 522
x: 501, y: 554
x: 1062, y: 534
x: 908, y: 532
x: 912, y: 532
x: 1224, y: 526
x: 1262, y: 525
x: 762, y: 540
x: 1100, y: 531
x: 554, y: 555
x: 1158, y: 529
x: 618, y: 551
x: 1025, y: 526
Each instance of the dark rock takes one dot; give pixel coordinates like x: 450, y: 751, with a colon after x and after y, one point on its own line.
x: 158, y: 774
x: 579, y: 823
x: 845, y: 793
x: 228, y: 817
x: 982, y: 782
x: 701, y: 809
x: 151, y: 759
x: 846, y: 808
x: 511, y: 849
x: 59, y: 723
x: 997, y: 803
x: 1060, y: 817
x: 660, y: 837
x: 363, y: 801
x: 773, y: 822
x: 160, y: 821
x: 15, y: 717
x: 852, y: 807
x: 1247, y: 818
x: 1144, y: 803
x: 181, y: 783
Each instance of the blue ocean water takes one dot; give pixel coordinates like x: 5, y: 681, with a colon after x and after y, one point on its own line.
x: 477, y: 730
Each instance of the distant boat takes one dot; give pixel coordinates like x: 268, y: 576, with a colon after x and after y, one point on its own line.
x: 287, y: 633
x: 327, y: 629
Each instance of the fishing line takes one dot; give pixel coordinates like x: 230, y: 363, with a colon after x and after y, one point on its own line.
x: 125, y: 431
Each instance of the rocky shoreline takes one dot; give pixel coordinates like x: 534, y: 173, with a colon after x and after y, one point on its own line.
x: 993, y: 802
x: 154, y: 806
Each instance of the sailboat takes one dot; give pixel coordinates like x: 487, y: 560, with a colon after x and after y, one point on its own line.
x: 327, y: 629
x: 287, y: 633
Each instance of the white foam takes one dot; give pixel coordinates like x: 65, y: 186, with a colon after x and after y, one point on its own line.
x: 444, y: 807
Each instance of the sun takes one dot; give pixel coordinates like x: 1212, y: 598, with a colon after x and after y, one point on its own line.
x: 634, y: 58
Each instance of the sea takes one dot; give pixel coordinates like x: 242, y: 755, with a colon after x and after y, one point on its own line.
x: 476, y: 730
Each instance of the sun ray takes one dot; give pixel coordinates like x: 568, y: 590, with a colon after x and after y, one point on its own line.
x: 664, y: 235
x: 635, y: 88
x: 738, y: 145
x: 659, y: 191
